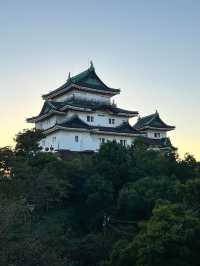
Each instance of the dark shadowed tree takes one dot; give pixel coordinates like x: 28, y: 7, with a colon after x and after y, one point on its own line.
x: 27, y: 141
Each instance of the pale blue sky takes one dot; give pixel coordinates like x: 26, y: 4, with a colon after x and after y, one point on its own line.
x: 149, y: 49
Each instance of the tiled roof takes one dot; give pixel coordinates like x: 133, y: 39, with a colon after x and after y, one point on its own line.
x: 76, y: 122
x: 92, y: 105
x: 47, y: 106
x: 88, y: 79
x: 124, y: 128
x: 151, y: 121
x: 50, y: 107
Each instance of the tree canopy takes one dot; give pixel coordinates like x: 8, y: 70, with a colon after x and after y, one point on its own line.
x: 122, y: 206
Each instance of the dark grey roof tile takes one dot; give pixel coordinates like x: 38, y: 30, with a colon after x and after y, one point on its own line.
x: 151, y: 121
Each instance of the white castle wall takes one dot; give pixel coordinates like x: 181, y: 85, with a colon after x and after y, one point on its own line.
x: 50, y: 121
x: 100, y: 119
x: 86, y: 141
x: 47, y: 123
x: 150, y: 134
x: 82, y: 95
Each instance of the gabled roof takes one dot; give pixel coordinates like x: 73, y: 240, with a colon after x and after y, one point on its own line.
x: 152, y: 122
x: 123, y: 128
x: 93, y: 106
x: 51, y: 107
x: 47, y: 106
x: 76, y: 123
x: 86, y: 79
x: 48, y: 110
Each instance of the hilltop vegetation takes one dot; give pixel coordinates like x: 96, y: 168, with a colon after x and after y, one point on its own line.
x: 124, y: 206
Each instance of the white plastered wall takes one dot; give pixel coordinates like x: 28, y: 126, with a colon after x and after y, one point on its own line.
x: 100, y: 118
x: 46, y: 123
x: 82, y: 95
x: 63, y: 139
x: 150, y: 134
x: 50, y: 121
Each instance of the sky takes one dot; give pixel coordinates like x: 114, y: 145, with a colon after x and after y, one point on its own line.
x: 148, y: 49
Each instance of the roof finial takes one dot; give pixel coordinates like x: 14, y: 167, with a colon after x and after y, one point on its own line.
x: 157, y: 112
x: 69, y: 76
x: 91, y: 65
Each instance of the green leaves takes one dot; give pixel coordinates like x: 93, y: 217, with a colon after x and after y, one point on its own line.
x: 124, y: 206
x: 28, y: 141
x: 170, y: 237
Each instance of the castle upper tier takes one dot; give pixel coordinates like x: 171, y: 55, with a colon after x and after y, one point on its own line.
x: 80, y: 116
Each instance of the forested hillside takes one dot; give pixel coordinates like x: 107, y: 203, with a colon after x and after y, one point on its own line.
x: 124, y: 206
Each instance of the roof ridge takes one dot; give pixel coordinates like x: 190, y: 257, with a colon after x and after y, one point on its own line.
x: 51, y: 104
x: 73, y: 118
x: 152, y: 121
x: 146, y: 116
x: 153, y: 117
x: 87, y: 71
x: 86, y: 79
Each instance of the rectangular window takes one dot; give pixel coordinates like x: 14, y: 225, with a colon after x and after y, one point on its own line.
x: 76, y: 138
x: 90, y: 118
x: 54, y: 139
x: 157, y: 135
x: 102, y: 140
x: 111, y: 121
x: 123, y: 142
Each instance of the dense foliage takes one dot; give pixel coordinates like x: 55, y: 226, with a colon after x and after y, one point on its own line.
x: 125, y: 206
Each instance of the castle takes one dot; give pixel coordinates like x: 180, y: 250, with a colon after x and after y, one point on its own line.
x: 80, y: 116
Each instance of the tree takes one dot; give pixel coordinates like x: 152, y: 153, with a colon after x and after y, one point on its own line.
x: 189, y: 193
x: 51, y: 187
x: 6, y: 160
x: 170, y: 237
x: 100, y: 200
x: 27, y: 141
x: 137, y: 199
x: 113, y: 162
x: 121, y: 206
